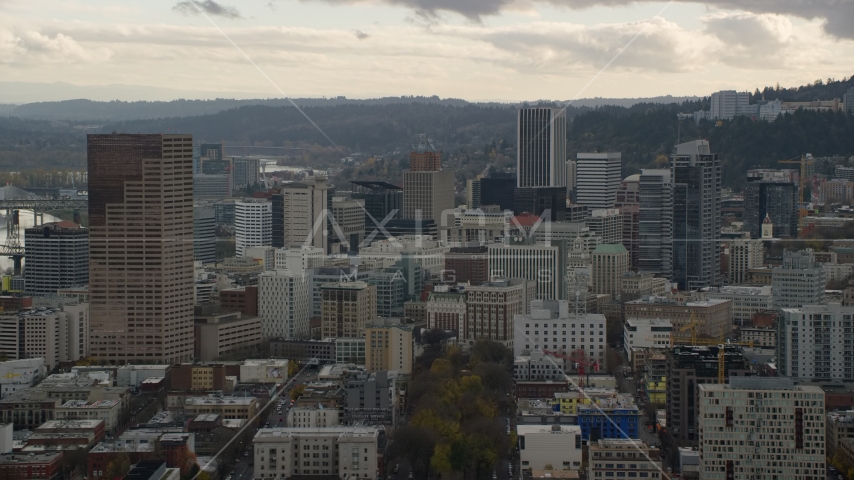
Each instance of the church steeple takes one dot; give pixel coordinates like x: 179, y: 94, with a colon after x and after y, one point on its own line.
x: 767, y: 228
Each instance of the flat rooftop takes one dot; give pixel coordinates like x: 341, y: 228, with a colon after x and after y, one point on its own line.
x: 328, y: 431
x: 219, y: 400
x: 70, y: 424
x: 550, y: 429
x: 25, y: 458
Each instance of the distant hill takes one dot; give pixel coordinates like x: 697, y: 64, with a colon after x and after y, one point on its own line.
x: 473, y: 135
x: 83, y: 109
x: 826, y: 90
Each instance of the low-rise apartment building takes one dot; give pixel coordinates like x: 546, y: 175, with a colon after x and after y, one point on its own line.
x: 343, y: 452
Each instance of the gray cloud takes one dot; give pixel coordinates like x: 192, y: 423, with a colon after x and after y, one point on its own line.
x: 556, y: 48
x: 189, y: 7
x: 361, y: 35
x: 837, y: 14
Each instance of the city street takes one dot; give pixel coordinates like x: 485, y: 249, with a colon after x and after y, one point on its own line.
x: 243, y: 469
x: 274, y: 415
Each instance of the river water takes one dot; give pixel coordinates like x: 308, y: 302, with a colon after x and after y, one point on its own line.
x: 25, y: 220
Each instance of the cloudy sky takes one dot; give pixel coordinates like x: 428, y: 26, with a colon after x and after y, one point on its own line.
x: 471, y: 49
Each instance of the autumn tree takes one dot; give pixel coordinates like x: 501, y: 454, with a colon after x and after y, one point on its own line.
x: 117, y: 467
x: 297, y: 391
x: 293, y: 368
x: 415, y: 444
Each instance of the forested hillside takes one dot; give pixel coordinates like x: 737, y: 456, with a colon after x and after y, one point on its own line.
x: 644, y: 134
x: 473, y: 136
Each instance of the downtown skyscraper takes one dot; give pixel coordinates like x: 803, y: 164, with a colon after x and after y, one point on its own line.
x: 541, y: 137
x: 541, y: 162
x: 141, y: 248
x: 696, y: 179
x: 597, y: 179
x: 655, y: 222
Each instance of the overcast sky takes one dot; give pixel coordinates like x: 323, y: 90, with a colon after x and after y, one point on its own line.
x: 471, y: 49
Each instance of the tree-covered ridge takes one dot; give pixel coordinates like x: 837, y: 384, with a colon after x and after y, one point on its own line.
x: 646, y: 136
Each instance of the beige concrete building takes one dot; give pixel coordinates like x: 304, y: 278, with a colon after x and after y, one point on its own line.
x: 556, y: 445
x: 56, y: 335
x: 746, y: 300
x: 219, y: 332
x: 635, y: 458
x: 610, y: 261
x: 427, y: 194
x: 787, y: 421
x: 607, y: 223
x: 230, y: 408
x: 349, y: 215
x: 491, y: 308
x: 446, y: 310
x: 347, y: 308
x: 342, y: 452
x: 284, y: 304
x: 141, y: 247
x: 304, y: 206
x: 744, y: 254
x: 388, y: 346
x: 635, y: 285
x: 106, y: 410
x: 714, y: 315
x: 761, y: 337
x: 313, y: 417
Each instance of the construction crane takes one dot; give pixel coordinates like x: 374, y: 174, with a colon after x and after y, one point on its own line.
x: 803, y: 162
x: 580, y: 364
x: 692, y: 325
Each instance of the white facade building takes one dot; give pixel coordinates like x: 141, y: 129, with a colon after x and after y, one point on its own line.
x: 134, y: 375
x: 299, y: 259
x: 284, y: 304
x: 544, y: 264
x: 265, y: 255
x: 556, y: 445
x: 799, y: 281
x: 726, y: 104
x: 551, y: 326
x: 346, y: 452
x: 313, y: 417
x: 56, y: 335
x: 745, y: 300
x: 770, y: 111
x: 18, y: 375
x: 598, y: 177
x: 646, y: 333
x: 537, y: 367
x: 761, y: 428
x: 253, y: 224
x: 428, y: 253
x: 608, y: 224
x: 816, y: 341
